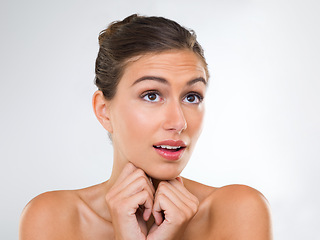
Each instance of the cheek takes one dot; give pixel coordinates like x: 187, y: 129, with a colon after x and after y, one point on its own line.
x: 134, y: 129
x: 194, y: 122
x: 131, y: 120
x: 134, y: 125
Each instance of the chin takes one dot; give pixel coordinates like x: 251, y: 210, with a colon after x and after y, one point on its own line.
x: 164, y: 172
x: 163, y: 177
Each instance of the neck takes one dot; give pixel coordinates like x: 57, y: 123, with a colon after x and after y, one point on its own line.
x: 155, y: 183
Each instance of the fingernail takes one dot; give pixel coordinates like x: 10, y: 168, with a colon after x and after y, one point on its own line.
x: 150, y: 179
x: 179, y: 179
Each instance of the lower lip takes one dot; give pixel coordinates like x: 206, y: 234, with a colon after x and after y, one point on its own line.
x: 170, y: 155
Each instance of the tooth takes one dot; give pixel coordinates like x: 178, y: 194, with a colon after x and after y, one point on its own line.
x: 169, y: 147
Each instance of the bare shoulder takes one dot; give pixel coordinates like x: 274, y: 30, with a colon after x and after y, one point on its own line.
x: 51, y: 215
x: 201, y: 191
x: 240, y: 212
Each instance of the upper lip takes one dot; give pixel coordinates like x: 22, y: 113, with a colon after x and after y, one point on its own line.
x: 170, y: 142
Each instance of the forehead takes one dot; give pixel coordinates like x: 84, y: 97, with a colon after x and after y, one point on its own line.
x: 182, y: 63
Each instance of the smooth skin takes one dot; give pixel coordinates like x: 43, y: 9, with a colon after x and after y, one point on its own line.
x: 159, y: 97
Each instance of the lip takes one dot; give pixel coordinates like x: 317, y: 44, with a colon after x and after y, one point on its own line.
x: 170, y: 142
x: 170, y: 154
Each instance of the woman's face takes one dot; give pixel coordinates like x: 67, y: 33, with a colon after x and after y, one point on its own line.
x: 156, y: 115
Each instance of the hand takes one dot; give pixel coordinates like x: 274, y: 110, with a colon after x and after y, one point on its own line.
x: 177, y: 205
x: 130, y: 202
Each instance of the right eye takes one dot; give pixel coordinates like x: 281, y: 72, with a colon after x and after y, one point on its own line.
x: 151, y: 96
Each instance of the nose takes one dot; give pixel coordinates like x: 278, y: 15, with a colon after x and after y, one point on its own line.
x: 174, y: 119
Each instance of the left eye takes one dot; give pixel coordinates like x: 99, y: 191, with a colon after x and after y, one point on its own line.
x: 151, y: 97
x: 192, y: 98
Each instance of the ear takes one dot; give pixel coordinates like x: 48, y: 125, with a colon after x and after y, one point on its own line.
x: 101, y: 108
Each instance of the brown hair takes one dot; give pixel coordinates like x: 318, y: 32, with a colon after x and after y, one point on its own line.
x: 134, y: 36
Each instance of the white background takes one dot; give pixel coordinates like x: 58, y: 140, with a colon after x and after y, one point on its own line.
x: 263, y: 114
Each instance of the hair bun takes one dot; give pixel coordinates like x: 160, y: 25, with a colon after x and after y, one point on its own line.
x: 114, y: 27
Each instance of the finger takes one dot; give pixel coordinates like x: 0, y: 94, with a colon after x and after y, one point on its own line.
x: 182, y: 189
x: 139, y: 184
x: 181, y: 204
x: 165, y: 202
x: 128, y: 169
x: 137, y: 174
x: 160, y: 204
x: 180, y: 179
x: 176, y: 197
x: 142, y: 198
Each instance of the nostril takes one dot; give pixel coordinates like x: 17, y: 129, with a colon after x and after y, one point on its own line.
x: 177, y: 126
x: 174, y: 119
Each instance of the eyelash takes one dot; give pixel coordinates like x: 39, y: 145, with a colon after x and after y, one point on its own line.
x: 197, y: 95
x: 145, y: 94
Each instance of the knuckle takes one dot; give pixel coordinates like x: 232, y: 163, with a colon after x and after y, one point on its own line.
x: 122, y: 205
x: 129, y: 166
x: 190, y: 213
x: 195, y: 207
x: 149, y: 193
x: 160, y: 196
x: 162, y: 187
x: 140, y: 172
x: 162, y: 184
x: 180, y: 217
x: 146, y: 194
x: 141, y: 180
x: 109, y: 199
x: 110, y: 203
x: 194, y: 211
x: 119, y: 209
x: 195, y: 200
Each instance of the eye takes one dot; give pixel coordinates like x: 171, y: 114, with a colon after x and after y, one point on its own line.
x: 193, y: 98
x: 151, y: 96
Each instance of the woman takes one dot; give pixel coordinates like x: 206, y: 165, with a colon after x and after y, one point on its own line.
x: 152, y: 77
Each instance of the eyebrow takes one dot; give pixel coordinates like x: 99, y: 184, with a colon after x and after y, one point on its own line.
x: 164, y: 81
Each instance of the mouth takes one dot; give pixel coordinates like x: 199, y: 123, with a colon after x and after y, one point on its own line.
x: 170, y: 149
